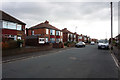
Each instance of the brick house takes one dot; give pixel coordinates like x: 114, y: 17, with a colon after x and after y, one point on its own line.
x: 81, y: 38
x: 12, y: 28
x: 95, y: 40
x: 67, y: 35
x: 75, y: 37
x: 47, y: 32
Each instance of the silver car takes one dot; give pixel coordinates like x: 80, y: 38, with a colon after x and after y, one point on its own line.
x: 92, y: 43
x: 80, y: 44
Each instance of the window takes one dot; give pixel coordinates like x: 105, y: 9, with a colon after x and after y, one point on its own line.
x: 12, y: 25
x: 52, y: 32
x: 61, y: 33
x: 19, y: 27
x: 52, y: 39
x: 61, y: 40
x: 68, y: 34
x: 74, y: 36
x: 32, y: 32
x: 5, y: 24
x: 58, y: 33
x: 47, y: 31
x: 80, y: 37
x: 57, y: 40
x: 71, y: 35
x: 46, y: 39
x: 15, y: 37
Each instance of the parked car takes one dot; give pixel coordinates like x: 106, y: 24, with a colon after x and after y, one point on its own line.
x: 92, y: 43
x: 80, y: 44
x: 103, y: 44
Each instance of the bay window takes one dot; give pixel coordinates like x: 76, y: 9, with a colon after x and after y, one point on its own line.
x: 57, y: 40
x: 57, y: 33
x: 19, y: 27
x: 52, y: 39
x: 11, y: 25
x: 52, y: 32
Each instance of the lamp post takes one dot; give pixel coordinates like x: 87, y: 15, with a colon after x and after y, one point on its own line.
x: 111, y: 26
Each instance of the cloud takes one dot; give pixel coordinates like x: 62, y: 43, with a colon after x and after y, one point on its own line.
x: 63, y: 14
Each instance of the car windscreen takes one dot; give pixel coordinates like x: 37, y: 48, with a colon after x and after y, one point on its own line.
x: 103, y: 41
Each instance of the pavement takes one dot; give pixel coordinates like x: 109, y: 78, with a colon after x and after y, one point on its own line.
x: 88, y: 62
x: 30, y: 55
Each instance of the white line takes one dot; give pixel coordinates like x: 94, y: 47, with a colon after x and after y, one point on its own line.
x: 116, y: 62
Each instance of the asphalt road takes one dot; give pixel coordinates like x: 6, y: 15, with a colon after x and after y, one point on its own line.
x: 88, y: 62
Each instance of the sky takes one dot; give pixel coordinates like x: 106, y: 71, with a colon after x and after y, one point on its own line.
x: 87, y: 18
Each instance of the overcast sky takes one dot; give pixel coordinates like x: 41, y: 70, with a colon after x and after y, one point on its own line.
x: 90, y: 18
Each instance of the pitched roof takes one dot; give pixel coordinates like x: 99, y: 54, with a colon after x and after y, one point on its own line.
x: 44, y: 25
x: 66, y: 31
x: 8, y: 17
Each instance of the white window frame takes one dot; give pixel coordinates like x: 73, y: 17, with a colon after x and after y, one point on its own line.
x: 53, y: 32
x: 61, y: 33
x: 12, y: 25
x: 47, y: 31
x: 57, y: 33
x: 18, y: 25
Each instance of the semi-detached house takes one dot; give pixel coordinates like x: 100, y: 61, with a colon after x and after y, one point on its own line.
x: 46, y: 32
x: 68, y: 36
x: 12, y: 28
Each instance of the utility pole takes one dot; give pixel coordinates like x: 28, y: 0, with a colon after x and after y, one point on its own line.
x: 111, y: 25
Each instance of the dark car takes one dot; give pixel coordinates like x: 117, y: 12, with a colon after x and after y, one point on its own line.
x: 80, y: 44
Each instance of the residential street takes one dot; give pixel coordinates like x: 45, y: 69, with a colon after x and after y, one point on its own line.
x: 88, y: 62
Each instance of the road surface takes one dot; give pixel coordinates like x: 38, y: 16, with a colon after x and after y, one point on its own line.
x: 88, y: 62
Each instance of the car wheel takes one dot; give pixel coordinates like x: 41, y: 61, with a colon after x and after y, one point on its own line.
x: 98, y: 47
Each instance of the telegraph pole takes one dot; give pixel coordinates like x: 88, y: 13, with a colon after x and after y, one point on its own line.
x: 111, y: 25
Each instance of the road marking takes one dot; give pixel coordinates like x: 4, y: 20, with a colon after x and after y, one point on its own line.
x: 115, y: 60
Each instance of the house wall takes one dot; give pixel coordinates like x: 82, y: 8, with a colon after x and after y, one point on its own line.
x: 43, y: 32
x: 65, y: 37
x: 15, y: 33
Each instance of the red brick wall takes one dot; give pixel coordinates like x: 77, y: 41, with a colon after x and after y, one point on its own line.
x: 9, y: 31
x: 43, y: 31
x: 65, y: 37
